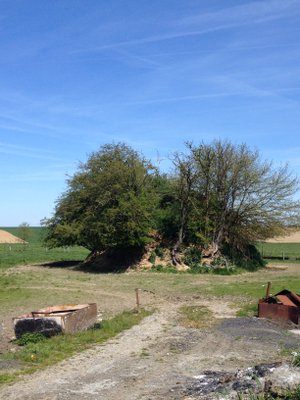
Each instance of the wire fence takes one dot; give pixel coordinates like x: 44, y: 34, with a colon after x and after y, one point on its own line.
x: 277, y: 252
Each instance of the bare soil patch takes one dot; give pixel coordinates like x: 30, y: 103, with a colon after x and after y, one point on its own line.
x: 293, y: 237
x: 6, y: 237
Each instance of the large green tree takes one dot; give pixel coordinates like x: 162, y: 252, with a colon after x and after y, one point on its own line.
x: 234, y: 197
x: 109, y: 203
x: 221, y: 196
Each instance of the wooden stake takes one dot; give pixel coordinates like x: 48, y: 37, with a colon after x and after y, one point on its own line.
x: 137, y: 297
x: 268, y: 290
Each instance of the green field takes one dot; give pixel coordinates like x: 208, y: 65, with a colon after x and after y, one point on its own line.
x: 280, y: 251
x: 35, y: 251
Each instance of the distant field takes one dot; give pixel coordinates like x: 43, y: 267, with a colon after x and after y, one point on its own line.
x: 34, y: 251
x: 280, y: 251
x: 283, y: 248
x: 293, y: 237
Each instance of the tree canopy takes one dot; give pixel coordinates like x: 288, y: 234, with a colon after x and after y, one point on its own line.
x: 108, y: 203
x: 233, y: 197
x: 218, y: 195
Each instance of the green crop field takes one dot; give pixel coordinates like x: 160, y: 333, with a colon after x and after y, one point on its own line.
x: 280, y: 251
x: 35, y: 252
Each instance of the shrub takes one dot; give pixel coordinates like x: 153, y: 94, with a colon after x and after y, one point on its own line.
x: 250, y: 259
x: 30, y: 337
x: 159, y: 251
x: 168, y: 269
x: 192, y: 256
x: 199, y: 269
x: 152, y: 257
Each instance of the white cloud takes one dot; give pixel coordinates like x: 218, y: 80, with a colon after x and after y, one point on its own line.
x: 208, y: 22
x: 28, y: 152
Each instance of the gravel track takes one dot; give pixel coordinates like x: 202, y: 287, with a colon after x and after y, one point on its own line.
x: 156, y: 359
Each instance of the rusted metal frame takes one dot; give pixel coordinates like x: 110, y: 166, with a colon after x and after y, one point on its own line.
x: 284, y: 305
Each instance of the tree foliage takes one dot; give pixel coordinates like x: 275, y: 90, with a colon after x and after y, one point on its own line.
x: 24, y: 231
x: 220, y: 195
x: 235, y: 197
x: 109, y: 202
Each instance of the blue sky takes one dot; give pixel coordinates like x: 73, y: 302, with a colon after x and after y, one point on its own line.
x: 75, y: 74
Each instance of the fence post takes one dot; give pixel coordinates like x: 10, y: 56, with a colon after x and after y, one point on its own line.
x: 137, y: 297
x: 268, y: 290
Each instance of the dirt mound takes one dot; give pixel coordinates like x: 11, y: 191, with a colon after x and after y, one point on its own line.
x: 293, y: 237
x: 6, y: 237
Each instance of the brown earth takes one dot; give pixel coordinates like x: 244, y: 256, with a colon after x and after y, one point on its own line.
x: 293, y: 237
x: 6, y: 237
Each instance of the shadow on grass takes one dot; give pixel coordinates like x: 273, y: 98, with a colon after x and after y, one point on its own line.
x: 88, y: 267
x: 62, y: 264
x: 95, y: 269
x: 117, y: 261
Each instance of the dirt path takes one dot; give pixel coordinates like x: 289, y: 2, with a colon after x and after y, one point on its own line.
x: 156, y: 359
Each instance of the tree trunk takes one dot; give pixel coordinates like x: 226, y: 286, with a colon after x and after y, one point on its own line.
x: 176, y: 247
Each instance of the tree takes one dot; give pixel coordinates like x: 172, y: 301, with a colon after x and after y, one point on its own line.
x: 236, y: 197
x: 24, y: 231
x: 221, y: 196
x: 184, y: 186
x: 109, y: 203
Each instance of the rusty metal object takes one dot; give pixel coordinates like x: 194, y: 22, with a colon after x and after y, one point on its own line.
x: 50, y: 321
x: 284, y: 305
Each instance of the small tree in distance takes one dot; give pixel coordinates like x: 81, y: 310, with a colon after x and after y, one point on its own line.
x: 24, y: 231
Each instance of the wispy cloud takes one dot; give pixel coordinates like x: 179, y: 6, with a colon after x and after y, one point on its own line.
x: 28, y: 152
x: 227, y: 18
x: 151, y: 39
x: 139, y: 59
x: 235, y: 46
x: 191, y: 98
x: 34, y: 176
x: 248, y: 13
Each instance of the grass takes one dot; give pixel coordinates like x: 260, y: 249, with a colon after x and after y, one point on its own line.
x: 287, y: 395
x: 24, y: 289
x: 281, y: 251
x: 196, y: 317
x: 248, y: 310
x: 43, y: 353
x: 35, y: 251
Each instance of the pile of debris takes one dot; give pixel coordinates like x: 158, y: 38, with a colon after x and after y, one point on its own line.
x: 264, y: 379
